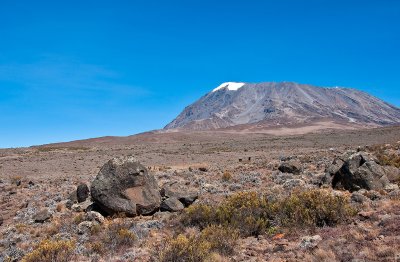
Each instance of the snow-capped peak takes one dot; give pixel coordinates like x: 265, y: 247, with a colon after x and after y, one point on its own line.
x: 233, y: 86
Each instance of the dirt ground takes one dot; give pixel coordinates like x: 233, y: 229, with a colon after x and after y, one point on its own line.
x: 44, y: 176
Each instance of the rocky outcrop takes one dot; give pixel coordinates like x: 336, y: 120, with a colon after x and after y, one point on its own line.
x: 123, y: 185
x: 358, y: 171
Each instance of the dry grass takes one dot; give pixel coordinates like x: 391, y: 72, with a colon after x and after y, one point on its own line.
x: 211, y: 243
x: 385, y: 155
x: 52, y: 251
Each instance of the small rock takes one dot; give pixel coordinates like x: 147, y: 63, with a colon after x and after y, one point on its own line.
x: 358, y: 198
x: 82, y: 193
x: 42, y: 216
x: 392, y: 173
x: 142, y: 229
x: 81, y: 206
x: 310, y: 241
x: 84, y: 227
x: 69, y: 203
x: 292, y: 183
x: 171, y: 204
x: 94, y: 216
x: 394, y: 194
x: 383, y: 219
x: 364, y: 215
x: 1, y: 221
x: 293, y: 167
x: 203, y: 169
x: 391, y: 187
x: 373, y: 195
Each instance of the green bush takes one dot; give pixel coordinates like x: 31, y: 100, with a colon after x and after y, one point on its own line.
x: 244, y: 211
x: 312, y: 208
x: 252, y: 214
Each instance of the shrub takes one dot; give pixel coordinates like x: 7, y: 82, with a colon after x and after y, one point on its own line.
x: 95, y: 229
x: 200, y: 215
x: 384, y: 157
x: 244, y: 211
x: 52, y: 251
x: 97, y: 247
x: 388, y: 159
x: 222, y: 239
x: 226, y: 176
x: 118, y: 236
x: 251, y: 214
x: 15, y: 179
x: 200, y: 248
x: 312, y: 208
x: 78, y: 219
x: 185, y: 249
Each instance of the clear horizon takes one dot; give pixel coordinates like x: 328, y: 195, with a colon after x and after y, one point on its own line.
x: 75, y: 70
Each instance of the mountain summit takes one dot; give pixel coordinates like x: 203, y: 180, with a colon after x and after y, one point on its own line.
x: 280, y: 104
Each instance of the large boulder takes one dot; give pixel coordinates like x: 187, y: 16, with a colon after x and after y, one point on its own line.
x: 360, y: 171
x: 123, y: 185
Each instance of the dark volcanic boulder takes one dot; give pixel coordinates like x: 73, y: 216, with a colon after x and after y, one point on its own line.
x: 123, y: 185
x: 82, y: 193
x: 173, y: 189
x: 360, y: 171
x: 330, y: 171
x: 171, y: 204
x: 293, y: 167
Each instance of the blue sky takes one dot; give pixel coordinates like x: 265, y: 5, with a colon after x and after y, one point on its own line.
x: 79, y: 69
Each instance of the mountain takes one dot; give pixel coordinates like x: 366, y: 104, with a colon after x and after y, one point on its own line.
x: 282, y: 104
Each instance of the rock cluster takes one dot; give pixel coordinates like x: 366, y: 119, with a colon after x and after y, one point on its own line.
x: 359, y: 171
x: 123, y: 185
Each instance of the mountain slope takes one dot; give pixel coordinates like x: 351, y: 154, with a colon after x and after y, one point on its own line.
x: 280, y: 104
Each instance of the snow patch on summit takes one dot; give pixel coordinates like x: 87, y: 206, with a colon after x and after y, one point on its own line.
x: 233, y: 86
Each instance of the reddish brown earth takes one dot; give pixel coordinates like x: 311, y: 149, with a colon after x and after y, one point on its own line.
x: 55, y: 170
